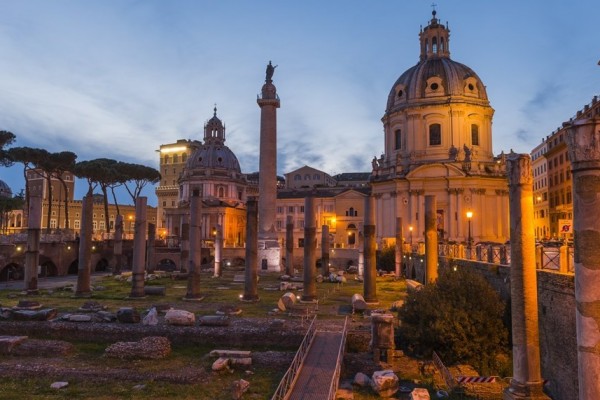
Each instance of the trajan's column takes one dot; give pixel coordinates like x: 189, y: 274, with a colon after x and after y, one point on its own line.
x: 268, y: 247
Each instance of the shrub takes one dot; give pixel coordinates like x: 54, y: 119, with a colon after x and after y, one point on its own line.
x: 460, y: 317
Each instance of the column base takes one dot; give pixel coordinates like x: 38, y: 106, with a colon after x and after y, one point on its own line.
x: 249, y: 298
x: 519, y: 391
x: 193, y: 298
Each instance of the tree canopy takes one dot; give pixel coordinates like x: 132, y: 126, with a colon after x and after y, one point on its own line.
x: 6, y: 139
x: 460, y: 317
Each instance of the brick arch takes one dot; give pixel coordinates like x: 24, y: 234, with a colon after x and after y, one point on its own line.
x: 12, y: 271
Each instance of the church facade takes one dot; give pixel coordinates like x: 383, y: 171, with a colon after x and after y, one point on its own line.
x: 438, y: 141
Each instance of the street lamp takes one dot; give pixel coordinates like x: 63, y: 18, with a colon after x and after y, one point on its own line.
x: 410, y: 228
x: 469, y: 216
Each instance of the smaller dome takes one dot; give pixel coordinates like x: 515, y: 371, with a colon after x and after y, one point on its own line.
x: 5, y: 190
x: 213, y: 156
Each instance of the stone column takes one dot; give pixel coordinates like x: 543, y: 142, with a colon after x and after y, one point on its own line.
x: 370, y: 277
x: 84, y: 285
x: 251, y: 281
x: 398, y: 248
x: 32, y: 254
x: 218, y: 250
x: 139, y: 248
x: 527, y: 381
x: 361, y: 254
x: 118, y: 247
x: 431, y: 240
x: 195, y: 245
x: 325, y: 250
x: 268, y: 103
x: 583, y: 138
x: 289, y: 246
x: 310, y: 243
x: 150, y: 261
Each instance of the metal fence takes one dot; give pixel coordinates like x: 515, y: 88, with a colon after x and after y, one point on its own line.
x: 292, y: 373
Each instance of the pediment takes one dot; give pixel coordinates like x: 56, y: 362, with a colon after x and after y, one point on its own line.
x: 436, y: 170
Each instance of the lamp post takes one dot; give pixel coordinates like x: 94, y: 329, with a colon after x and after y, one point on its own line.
x: 410, y: 228
x: 469, y: 242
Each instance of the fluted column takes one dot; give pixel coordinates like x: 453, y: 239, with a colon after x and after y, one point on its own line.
x: 251, y: 272
x: 310, y: 243
x: 431, y: 239
x: 370, y: 273
x: 527, y: 380
x: 583, y: 138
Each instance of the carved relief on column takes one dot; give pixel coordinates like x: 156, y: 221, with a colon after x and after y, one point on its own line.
x: 519, y: 169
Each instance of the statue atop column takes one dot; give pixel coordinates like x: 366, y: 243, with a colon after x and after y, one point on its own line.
x: 269, y: 73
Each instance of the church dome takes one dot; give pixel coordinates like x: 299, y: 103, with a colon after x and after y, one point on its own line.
x: 436, y: 77
x: 214, y: 154
x: 5, y: 190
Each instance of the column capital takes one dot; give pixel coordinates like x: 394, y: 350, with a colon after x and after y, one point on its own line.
x: 518, y: 169
x: 583, y: 142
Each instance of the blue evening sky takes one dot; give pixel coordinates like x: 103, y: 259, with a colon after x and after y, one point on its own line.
x: 115, y: 79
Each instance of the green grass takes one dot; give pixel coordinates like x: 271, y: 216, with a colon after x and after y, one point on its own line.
x: 332, y: 299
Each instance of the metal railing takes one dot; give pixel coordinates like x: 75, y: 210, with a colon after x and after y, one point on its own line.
x: 338, y: 366
x: 547, y: 258
x: 292, y: 373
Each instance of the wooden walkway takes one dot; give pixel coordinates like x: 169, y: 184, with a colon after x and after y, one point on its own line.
x: 318, y: 369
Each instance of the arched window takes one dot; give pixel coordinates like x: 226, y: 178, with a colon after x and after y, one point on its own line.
x: 435, y: 134
x: 297, y: 177
x: 442, y: 44
x: 434, y: 45
x: 316, y: 177
x: 398, y: 139
x: 307, y: 177
x: 221, y: 192
x: 474, y: 135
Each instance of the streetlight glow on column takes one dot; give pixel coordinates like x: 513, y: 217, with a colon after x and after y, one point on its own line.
x: 469, y: 216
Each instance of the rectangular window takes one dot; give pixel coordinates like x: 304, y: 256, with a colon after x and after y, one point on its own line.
x: 279, y: 224
x: 102, y: 225
x: 301, y: 242
x: 291, y: 209
x: 301, y: 209
x: 52, y: 223
x: 474, y: 135
x: 95, y: 225
x: 435, y: 134
x: 398, y: 139
x: 76, y: 224
x: 279, y: 210
x: 301, y: 223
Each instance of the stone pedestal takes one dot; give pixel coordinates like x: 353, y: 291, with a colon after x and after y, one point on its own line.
x: 527, y: 380
x: 583, y: 138
x: 310, y: 248
x: 431, y: 240
x: 138, y: 268
x: 370, y: 275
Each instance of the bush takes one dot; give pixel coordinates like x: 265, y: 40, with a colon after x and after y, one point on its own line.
x: 460, y: 317
x: 386, y: 259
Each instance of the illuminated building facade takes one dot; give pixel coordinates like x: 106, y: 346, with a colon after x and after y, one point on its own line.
x: 438, y: 141
x: 541, y: 214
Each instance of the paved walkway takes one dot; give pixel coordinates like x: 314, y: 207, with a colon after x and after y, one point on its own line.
x: 319, y: 366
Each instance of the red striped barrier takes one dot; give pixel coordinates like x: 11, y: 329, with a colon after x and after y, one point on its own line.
x: 476, y: 379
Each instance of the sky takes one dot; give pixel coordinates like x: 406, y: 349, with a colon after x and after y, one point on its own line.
x: 118, y: 78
